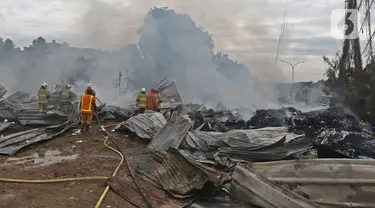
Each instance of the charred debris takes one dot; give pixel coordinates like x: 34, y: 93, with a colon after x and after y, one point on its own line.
x: 216, y: 157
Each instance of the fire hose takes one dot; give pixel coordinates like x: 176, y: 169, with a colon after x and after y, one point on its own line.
x: 144, y: 196
x: 100, y: 201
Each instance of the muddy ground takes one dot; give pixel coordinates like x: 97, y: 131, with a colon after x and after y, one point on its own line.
x: 64, y: 157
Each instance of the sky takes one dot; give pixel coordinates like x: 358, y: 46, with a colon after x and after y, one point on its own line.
x: 247, y: 30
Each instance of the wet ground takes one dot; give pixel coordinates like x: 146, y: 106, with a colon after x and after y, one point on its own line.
x: 64, y: 157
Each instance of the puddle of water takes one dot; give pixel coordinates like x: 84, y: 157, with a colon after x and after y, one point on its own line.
x: 50, y: 157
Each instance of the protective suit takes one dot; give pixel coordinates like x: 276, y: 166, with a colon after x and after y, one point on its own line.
x: 88, y: 107
x: 43, y: 98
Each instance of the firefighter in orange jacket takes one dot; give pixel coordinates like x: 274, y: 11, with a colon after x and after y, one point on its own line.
x: 88, y: 107
x: 152, y: 100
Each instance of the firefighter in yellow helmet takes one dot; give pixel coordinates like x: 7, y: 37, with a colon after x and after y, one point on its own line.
x: 158, y: 98
x: 142, y: 100
x: 43, y: 98
x: 65, y: 97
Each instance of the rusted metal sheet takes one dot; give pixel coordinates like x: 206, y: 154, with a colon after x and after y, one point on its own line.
x: 217, y: 177
x: 179, y: 176
x: 329, y: 182
x: 150, y: 185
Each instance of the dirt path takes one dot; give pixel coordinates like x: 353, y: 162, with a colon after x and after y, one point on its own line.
x: 64, y: 157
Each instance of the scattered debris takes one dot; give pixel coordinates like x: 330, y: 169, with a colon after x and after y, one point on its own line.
x: 144, y: 125
x: 344, y: 181
x: 180, y: 177
x: 208, y: 155
x: 9, y: 145
x: 252, y: 188
x: 49, y: 158
x: 172, y: 133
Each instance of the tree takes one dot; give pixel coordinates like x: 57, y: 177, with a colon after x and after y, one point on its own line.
x: 332, y: 70
x: 9, y: 45
x: 356, y: 91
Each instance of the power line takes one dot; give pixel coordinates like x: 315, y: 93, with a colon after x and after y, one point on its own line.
x: 282, y: 30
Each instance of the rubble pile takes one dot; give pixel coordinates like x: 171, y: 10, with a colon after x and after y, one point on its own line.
x: 221, y: 141
x: 220, y: 153
x: 23, y: 125
x: 272, y: 117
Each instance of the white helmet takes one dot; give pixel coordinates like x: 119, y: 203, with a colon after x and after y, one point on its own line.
x: 68, y: 86
x: 89, y: 85
x: 143, y: 89
x: 44, y: 85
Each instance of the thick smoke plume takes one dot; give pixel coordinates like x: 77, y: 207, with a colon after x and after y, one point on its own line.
x: 153, y: 44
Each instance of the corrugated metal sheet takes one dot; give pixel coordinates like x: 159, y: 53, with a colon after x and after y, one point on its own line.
x: 170, y: 92
x: 6, y: 112
x: 172, y: 133
x: 19, y: 97
x: 4, y: 126
x: 151, y: 186
x: 180, y: 177
x: 9, y: 145
x: 33, y: 117
x: 110, y: 112
x: 277, y: 151
x: 329, y: 182
x: 244, y: 139
x: 254, y: 189
x: 145, y: 125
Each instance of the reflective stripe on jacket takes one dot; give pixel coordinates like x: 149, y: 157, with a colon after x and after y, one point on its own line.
x: 42, y: 96
x: 87, y: 103
x: 152, y: 102
x: 158, y: 97
x: 65, y: 95
x: 141, y: 100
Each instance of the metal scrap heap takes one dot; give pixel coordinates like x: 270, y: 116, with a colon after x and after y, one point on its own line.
x: 219, y: 157
x: 253, y: 156
x: 23, y: 125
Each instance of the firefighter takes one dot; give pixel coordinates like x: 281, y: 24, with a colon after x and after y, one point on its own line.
x: 88, y: 108
x: 158, y: 95
x: 142, y: 100
x: 152, y: 101
x: 89, y: 86
x: 65, y: 97
x: 43, y: 98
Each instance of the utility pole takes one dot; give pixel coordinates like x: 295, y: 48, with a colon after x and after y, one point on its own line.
x: 293, y: 66
x: 117, y: 84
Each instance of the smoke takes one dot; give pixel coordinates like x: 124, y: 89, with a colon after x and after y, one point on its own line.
x: 197, y: 77
x: 237, y: 28
x: 186, y: 57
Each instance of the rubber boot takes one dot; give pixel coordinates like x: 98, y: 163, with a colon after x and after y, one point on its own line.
x: 82, y: 128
